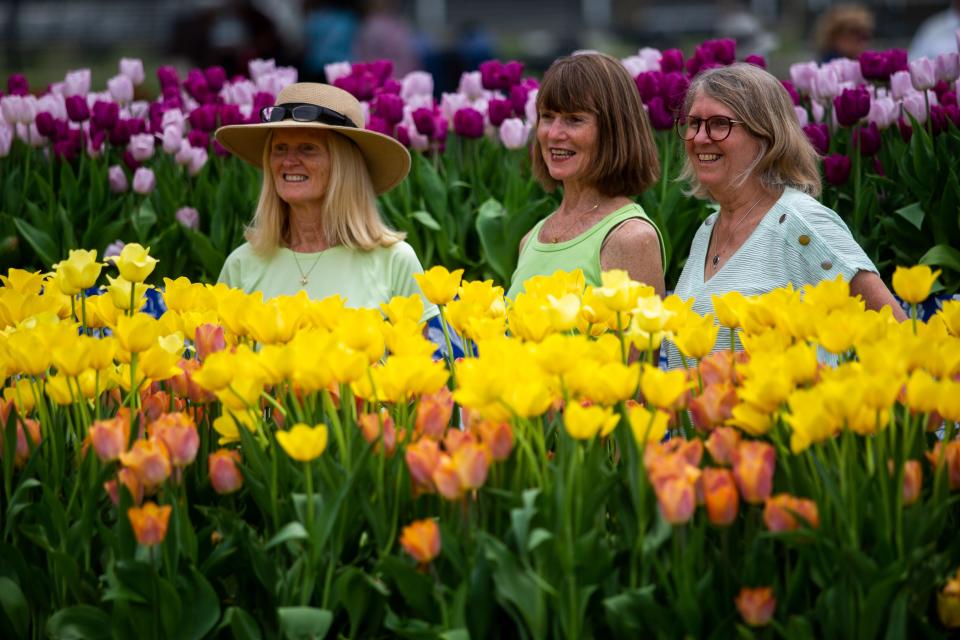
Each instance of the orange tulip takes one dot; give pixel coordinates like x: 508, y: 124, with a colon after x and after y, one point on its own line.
x: 421, y: 539
x: 498, y: 436
x: 433, y: 413
x: 753, y: 465
x: 109, y: 437
x: 472, y: 461
x: 719, y: 367
x: 209, y: 339
x: 446, y: 478
x: 756, y: 605
x: 149, y: 523
x: 179, y: 434
x: 721, y: 444
x: 912, y: 481
x: 26, y: 428
x: 720, y: 494
x: 714, y: 406
x: 952, y: 462
x: 423, y: 457
x: 372, y: 425
x: 225, y: 475
x: 782, y: 510
x: 677, y: 498
x: 149, y: 460
x: 183, y: 385
x: 128, y: 479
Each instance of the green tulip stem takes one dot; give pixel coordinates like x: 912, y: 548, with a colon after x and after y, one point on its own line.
x: 623, y: 344
x: 311, y: 555
x: 446, y: 337
x: 83, y: 312
x: 913, y: 316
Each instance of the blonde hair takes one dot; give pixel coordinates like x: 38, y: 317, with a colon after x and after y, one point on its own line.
x: 839, y: 19
x: 786, y: 157
x: 350, y: 216
x: 627, y: 160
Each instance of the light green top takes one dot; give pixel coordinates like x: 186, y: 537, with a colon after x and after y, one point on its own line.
x: 581, y: 252
x: 798, y: 241
x: 362, y: 278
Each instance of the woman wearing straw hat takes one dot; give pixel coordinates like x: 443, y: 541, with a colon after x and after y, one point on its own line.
x: 316, y: 227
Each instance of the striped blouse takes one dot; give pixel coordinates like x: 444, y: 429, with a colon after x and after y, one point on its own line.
x: 798, y: 241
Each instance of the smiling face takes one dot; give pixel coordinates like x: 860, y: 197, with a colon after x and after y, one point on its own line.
x: 718, y: 164
x: 567, y: 143
x: 300, y: 165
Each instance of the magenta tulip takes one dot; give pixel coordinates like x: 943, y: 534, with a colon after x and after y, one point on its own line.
x: 836, y: 169
x: 851, y: 106
x: 499, y: 110
x: 468, y: 123
x: 77, y: 109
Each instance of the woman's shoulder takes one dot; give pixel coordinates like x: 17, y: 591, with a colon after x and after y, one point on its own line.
x: 798, y: 212
x: 244, y: 253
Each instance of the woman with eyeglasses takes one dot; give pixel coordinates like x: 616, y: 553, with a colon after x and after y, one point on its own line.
x: 594, y: 139
x: 745, y: 150
x: 316, y: 227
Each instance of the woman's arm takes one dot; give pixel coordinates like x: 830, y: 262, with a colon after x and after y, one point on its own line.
x: 634, y: 247
x: 875, y: 294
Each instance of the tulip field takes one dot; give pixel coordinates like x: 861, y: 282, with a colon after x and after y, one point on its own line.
x: 184, y: 460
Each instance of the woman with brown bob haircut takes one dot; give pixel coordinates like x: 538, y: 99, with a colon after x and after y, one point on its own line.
x: 594, y: 139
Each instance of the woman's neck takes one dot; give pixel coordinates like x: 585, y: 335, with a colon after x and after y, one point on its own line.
x: 737, y: 201
x: 580, y: 200
x: 306, y: 230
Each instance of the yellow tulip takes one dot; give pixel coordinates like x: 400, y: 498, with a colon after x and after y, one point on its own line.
x: 217, y: 372
x: 663, y: 388
x: 136, y: 333
x: 827, y: 294
x: 728, y: 308
x: 403, y: 308
x: 478, y: 329
x: 696, y: 339
x: 650, y: 315
x: 556, y: 284
x: 837, y: 331
x: 922, y: 392
x: 751, y: 420
x: 304, y: 443
x: 72, y: 356
x: 22, y: 395
x: 119, y: 290
x: 29, y: 352
x: 64, y: 285
x: 810, y: 420
x: 81, y: 269
x: 227, y: 425
x: 583, y: 423
x: 485, y: 296
x: 26, y: 282
x: 618, y: 291
x: 406, y: 339
x: 604, y: 383
x: 647, y: 425
x: 244, y: 392
x: 102, y: 355
x: 950, y: 314
x: 362, y: 330
x: 913, y: 284
x: 59, y: 390
x: 134, y: 262
x: 101, y: 312
x: 158, y: 364
x: 438, y: 285
x: 529, y: 398
x: 348, y: 365
x: 530, y: 318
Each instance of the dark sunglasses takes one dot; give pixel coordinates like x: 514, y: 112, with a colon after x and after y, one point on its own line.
x: 302, y: 112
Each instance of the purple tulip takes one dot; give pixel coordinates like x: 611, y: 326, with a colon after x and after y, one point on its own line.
x: 792, y: 90
x: 724, y: 50
x: 671, y: 60
x: 168, y: 77
x: 120, y: 133
x: 117, y: 179
x: 906, y: 131
x: 819, y: 137
x: 105, y: 114
x: 198, y: 138
x: 204, y: 118
x: 230, y: 114
x: 512, y: 72
x: 836, y: 169
x: 171, y: 93
x: 673, y: 88
x: 423, y: 120
x: 851, y: 106
x: 468, y: 123
x: 196, y: 85
x: 17, y: 85
x: 132, y: 163
x: 948, y: 98
x: 498, y: 111
x: 868, y: 139
x: 261, y: 99
x: 518, y: 99
x: 46, y: 125
x: 77, y: 109
x: 389, y: 107
x: 648, y: 84
x: 897, y: 60
x: 188, y: 217
x: 137, y: 125
x: 95, y: 142
x: 491, y: 72
x: 874, y: 65
x: 403, y: 135
x: 941, y: 88
x: 757, y: 61
x: 390, y: 86
x: 215, y: 76
x: 144, y: 181
x: 440, y: 129
x: 380, y: 125
x: 922, y: 74
x: 660, y: 115
x: 113, y: 249
x: 381, y: 70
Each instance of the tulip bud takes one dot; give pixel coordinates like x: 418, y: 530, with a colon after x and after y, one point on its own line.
x: 468, y: 123
x: 121, y: 89
x: 225, y: 475
x: 188, y: 217
x: 141, y: 147
x: 133, y: 69
x: 421, y: 539
x: 754, y: 463
x: 117, y: 179
x: 144, y: 181
x: 149, y: 523
x: 514, y: 133
x: 922, y: 74
x: 756, y: 606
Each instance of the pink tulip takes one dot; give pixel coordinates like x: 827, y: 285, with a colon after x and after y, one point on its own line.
x: 117, y: 179
x: 803, y: 75
x: 198, y: 159
x: 416, y: 83
x: 133, y: 69
x: 514, y: 133
x: 825, y: 85
x: 240, y: 93
x: 188, y: 217
x: 113, y: 249
x: 184, y: 154
x: 883, y: 112
x: 802, y: 117
x: 141, y: 146
x: 225, y: 476
x: 914, y: 105
x: 19, y: 109
x: 6, y: 139
x: 258, y: 67
x: 144, y: 181
x: 121, y: 88
x: 335, y: 71
x: 922, y: 74
x: 77, y: 83
x: 947, y: 66
x: 471, y: 87
x: 172, y: 140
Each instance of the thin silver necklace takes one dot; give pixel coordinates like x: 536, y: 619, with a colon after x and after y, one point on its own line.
x: 716, y: 255
x: 556, y: 236
x: 305, y: 277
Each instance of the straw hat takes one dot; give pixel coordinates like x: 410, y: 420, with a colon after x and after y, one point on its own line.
x: 387, y: 160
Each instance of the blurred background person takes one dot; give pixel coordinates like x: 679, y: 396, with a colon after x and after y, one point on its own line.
x: 330, y: 28
x: 843, y: 31
x: 385, y: 34
x: 938, y: 34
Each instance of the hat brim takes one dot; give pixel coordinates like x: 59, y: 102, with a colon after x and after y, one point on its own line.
x: 387, y: 160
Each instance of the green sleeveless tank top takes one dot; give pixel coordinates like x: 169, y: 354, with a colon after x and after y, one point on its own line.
x: 581, y: 252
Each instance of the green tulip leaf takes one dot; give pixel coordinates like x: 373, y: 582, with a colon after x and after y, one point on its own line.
x: 14, y: 606
x: 292, y: 531
x: 427, y: 220
x: 304, y: 623
x: 82, y: 622
x: 912, y: 213
x: 942, y: 256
